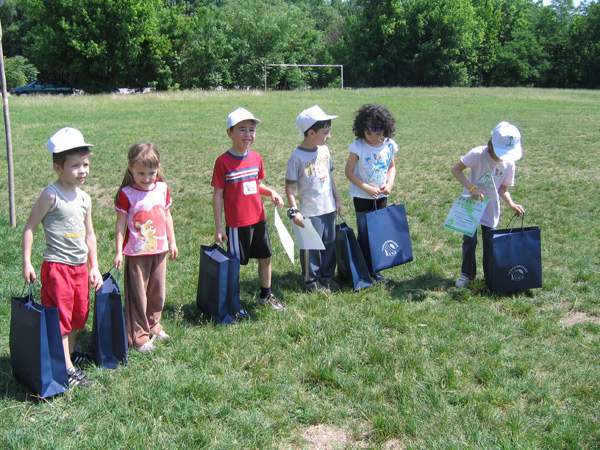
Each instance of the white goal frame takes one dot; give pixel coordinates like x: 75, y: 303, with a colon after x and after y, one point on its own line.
x: 341, y: 66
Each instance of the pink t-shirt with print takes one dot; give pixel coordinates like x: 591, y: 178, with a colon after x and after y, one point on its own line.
x: 146, y: 219
x: 488, y: 174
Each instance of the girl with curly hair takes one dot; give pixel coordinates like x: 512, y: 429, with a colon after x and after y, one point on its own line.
x: 371, y: 168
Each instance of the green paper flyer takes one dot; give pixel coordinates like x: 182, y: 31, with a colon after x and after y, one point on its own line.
x: 465, y: 214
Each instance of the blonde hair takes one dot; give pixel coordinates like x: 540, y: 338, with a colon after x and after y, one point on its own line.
x: 145, y: 154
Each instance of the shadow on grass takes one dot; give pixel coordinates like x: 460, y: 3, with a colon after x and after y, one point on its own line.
x: 478, y: 288
x: 284, y: 287
x: 417, y: 289
x: 11, y: 387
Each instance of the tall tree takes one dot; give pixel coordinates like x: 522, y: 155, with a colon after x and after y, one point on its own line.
x: 95, y: 44
x: 416, y: 42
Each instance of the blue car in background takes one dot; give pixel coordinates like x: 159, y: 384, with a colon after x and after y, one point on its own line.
x: 42, y: 87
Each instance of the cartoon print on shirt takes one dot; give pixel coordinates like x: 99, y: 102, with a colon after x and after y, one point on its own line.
x: 148, y: 231
x: 146, y: 225
x: 320, y: 168
x: 76, y: 227
x: 379, y: 163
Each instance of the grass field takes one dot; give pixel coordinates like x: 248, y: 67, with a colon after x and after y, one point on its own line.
x: 415, y: 363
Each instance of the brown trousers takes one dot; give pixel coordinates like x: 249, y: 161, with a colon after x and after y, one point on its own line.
x: 144, y: 296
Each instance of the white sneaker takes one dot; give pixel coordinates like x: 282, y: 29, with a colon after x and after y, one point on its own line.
x: 462, y: 281
x: 146, y: 347
x: 162, y: 336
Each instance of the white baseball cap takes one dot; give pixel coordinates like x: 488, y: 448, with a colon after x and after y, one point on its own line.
x: 506, y: 139
x: 239, y: 115
x: 66, y: 138
x: 310, y: 116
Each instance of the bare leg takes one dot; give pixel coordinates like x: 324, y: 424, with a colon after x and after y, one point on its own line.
x: 264, y: 272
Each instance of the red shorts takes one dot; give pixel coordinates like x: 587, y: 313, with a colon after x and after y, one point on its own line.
x: 67, y: 288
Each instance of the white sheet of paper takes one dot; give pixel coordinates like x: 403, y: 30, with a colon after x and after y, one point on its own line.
x: 465, y: 214
x: 284, y: 236
x: 307, y: 237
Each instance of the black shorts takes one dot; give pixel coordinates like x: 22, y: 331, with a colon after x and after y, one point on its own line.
x: 368, y: 204
x: 249, y: 242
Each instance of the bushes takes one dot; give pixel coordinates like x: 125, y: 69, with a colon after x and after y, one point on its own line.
x: 19, y: 72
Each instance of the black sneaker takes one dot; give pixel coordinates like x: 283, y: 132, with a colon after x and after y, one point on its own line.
x: 80, y: 358
x: 378, y: 278
x: 77, y: 378
x: 330, y: 284
x: 316, y: 286
x: 242, y: 315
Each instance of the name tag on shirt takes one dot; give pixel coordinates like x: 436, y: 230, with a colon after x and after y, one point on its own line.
x: 250, y: 187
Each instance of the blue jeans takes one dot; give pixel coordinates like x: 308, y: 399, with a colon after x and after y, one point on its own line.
x: 469, y: 264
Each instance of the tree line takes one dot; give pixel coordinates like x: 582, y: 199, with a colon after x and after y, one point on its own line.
x: 100, y: 45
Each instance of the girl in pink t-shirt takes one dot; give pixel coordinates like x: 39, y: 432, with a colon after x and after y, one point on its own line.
x: 491, y: 172
x: 144, y: 234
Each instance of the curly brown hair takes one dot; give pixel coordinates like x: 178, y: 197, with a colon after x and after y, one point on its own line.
x: 373, y: 114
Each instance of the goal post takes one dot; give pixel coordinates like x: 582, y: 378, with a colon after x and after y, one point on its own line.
x: 341, y: 66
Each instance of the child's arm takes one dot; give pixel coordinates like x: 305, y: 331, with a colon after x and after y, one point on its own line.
x: 38, y: 212
x: 90, y: 240
x: 505, y: 195
x: 356, y: 180
x: 171, y: 235
x: 391, y: 176
x: 457, y: 171
x: 289, y: 193
x: 267, y: 191
x: 120, y: 229
x: 336, y: 197
x: 220, y: 234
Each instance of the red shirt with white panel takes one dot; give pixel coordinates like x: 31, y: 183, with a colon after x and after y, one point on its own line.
x: 239, y: 178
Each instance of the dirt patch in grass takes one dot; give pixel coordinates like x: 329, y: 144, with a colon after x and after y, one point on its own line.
x: 577, y: 317
x: 324, y: 437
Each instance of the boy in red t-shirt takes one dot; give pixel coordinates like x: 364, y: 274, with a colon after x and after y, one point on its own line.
x: 238, y: 189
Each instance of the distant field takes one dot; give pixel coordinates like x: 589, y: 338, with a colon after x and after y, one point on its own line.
x: 415, y: 363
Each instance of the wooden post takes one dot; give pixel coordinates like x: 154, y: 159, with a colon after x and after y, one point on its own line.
x: 11, y: 184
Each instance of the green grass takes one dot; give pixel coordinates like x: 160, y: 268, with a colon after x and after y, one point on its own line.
x: 416, y: 363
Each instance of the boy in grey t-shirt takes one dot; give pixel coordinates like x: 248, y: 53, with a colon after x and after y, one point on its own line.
x: 309, y: 167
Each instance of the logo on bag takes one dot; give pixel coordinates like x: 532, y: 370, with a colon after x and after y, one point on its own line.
x: 517, y: 273
x: 390, y: 248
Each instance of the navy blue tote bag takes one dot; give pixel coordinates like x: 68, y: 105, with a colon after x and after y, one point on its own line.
x: 351, y: 264
x: 384, y: 237
x: 36, y: 350
x: 512, y: 259
x: 219, y: 284
x: 109, y: 335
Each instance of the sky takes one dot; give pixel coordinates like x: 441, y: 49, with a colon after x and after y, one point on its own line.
x: 575, y: 2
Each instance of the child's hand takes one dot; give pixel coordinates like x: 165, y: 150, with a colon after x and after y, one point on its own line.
x: 29, y: 273
x: 372, y: 191
x: 174, y: 251
x: 220, y: 235
x: 118, y: 261
x: 96, y: 279
x: 277, y: 200
x: 478, y: 194
x: 298, y: 219
x: 518, y: 209
x: 385, y: 188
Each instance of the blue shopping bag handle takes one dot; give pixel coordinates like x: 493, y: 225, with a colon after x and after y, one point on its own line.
x: 514, y: 220
x: 112, y: 271
x: 32, y: 295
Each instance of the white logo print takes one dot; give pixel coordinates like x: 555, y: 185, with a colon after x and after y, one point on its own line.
x: 390, y: 248
x: 517, y: 273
